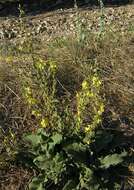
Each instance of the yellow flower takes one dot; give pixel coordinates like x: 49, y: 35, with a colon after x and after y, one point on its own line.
x: 31, y: 101
x: 101, y: 109
x: 88, y: 128
x: 98, y: 121
x: 9, y: 59
x: 88, y: 142
x: 36, y: 113
x: 96, y: 81
x: 28, y: 90
x: 85, y: 85
x: 90, y: 94
x: 40, y: 65
x: 44, y: 122
x: 53, y: 66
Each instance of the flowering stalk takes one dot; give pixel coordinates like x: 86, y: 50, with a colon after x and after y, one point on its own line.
x: 89, y: 96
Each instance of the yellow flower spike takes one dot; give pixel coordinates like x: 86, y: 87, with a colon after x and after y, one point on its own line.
x: 44, y: 122
x: 85, y: 85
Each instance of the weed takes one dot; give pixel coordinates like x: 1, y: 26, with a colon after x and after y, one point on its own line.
x: 61, y: 97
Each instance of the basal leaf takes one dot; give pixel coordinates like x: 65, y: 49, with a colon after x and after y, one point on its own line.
x: 57, y: 138
x: 34, y: 139
x: 112, y: 160
x: 43, y: 162
x: 54, y: 140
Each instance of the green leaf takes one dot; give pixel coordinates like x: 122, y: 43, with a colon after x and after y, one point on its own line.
x: 57, y: 138
x: 77, y: 151
x: 43, y: 162
x: 112, y: 160
x: 36, y: 184
x: 54, y: 140
x: 34, y: 139
x: 87, y: 179
x: 54, y: 164
x: 70, y: 185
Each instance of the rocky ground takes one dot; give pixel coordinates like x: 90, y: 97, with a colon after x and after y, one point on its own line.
x: 63, y: 22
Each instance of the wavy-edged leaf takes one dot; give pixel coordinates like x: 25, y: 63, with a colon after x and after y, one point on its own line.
x: 34, y: 139
x: 112, y: 160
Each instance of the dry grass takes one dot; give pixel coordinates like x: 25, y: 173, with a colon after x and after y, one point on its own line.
x: 116, y: 62
x: 15, y: 178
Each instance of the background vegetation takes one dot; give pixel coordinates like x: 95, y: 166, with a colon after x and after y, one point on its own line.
x: 67, y: 100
